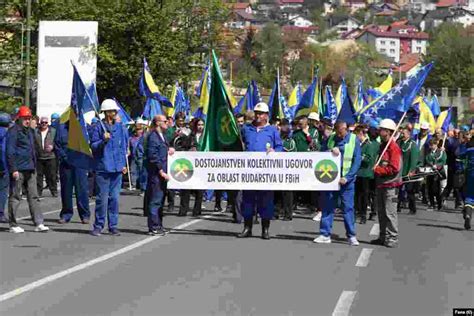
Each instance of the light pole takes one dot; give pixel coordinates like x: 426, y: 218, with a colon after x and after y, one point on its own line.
x: 27, y: 57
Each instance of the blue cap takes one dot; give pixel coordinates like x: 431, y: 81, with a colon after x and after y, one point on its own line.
x: 373, y: 123
x: 94, y: 119
x: 54, y: 116
x: 5, y: 119
x: 465, y: 128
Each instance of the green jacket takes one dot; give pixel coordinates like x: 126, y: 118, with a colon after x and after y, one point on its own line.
x: 436, y: 158
x: 302, y: 143
x: 289, y: 144
x: 410, y: 155
x: 170, y: 134
x: 369, y: 151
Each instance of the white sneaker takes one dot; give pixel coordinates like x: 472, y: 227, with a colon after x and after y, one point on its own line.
x: 317, y: 217
x: 322, y: 240
x: 353, y: 241
x: 16, y: 230
x: 41, y: 228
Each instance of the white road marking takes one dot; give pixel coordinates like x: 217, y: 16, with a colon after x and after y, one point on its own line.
x: 364, y: 257
x: 344, y: 303
x: 375, y: 231
x: 82, y: 266
x: 47, y: 213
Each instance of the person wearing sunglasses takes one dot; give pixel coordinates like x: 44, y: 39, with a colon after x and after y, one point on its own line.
x: 46, y: 167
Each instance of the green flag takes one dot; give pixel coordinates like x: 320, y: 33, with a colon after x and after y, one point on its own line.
x: 221, y: 132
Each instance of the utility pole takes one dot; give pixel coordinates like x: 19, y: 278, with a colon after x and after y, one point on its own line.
x: 28, y: 45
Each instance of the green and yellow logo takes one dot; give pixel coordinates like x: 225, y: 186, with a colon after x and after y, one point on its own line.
x: 225, y: 133
x: 326, y: 171
x: 182, y: 170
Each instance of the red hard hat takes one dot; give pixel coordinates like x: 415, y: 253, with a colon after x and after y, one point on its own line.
x: 24, y: 111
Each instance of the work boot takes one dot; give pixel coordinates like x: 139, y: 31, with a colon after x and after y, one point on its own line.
x: 247, y: 232
x: 467, y: 217
x: 265, y: 227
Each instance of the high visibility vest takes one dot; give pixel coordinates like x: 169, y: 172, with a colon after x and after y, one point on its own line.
x: 348, y: 152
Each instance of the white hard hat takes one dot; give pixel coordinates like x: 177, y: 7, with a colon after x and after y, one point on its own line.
x: 313, y: 116
x: 261, y: 107
x: 424, y: 125
x: 388, y: 124
x: 109, y: 105
x: 141, y: 121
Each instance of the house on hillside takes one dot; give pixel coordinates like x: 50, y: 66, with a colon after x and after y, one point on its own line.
x: 241, y: 16
x: 290, y: 4
x: 407, y: 65
x: 343, y: 23
x: 394, y: 41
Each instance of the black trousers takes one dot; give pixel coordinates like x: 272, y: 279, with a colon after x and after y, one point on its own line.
x: 372, y: 204
x: 185, y: 196
x: 410, y: 189
x: 434, y: 191
x: 287, y: 203
x: 362, y: 196
x: 450, y: 186
x: 48, y: 169
x: 234, y: 200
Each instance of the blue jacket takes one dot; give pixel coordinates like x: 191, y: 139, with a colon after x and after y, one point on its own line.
x: 356, y: 158
x: 60, y: 143
x: 136, y: 148
x: 21, y: 154
x: 156, y: 153
x: 109, y: 156
x: 3, y: 150
x: 257, y: 140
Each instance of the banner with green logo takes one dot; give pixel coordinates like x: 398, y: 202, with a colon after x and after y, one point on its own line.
x: 311, y: 171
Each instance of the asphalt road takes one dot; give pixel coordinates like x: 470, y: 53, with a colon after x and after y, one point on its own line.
x: 200, y: 268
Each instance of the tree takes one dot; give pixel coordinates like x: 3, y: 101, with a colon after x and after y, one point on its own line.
x: 270, y: 50
x: 11, y: 60
x: 172, y: 35
x: 452, y: 50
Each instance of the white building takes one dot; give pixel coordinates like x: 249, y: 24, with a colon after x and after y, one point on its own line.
x: 388, y: 46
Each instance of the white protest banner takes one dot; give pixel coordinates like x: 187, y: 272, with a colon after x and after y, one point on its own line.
x: 311, y: 171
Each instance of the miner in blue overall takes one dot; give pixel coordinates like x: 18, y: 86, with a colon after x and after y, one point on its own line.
x: 5, y: 121
x: 347, y: 146
x: 156, y: 161
x: 109, y: 145
x: 468, y: 156
x: 72, y: 179
x: 262, y: 137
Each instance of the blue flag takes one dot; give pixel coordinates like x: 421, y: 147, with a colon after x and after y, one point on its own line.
x: 152, y: 108
x: 399, y: 99
x: 309, y: 101
x: 181, y: 103
x: 124, y: 116
x: 92, y: 103
x: 249, y: 100
x: 79, y: 152
x: 434, y: 106
x: 347, y: 113
x: 331, y: 107
x: 149, y: 89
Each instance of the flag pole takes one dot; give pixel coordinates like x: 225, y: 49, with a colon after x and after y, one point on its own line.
x: 92, y: 102
x: 444, y: 140
x: 390, y: 140
x: 128, y: 171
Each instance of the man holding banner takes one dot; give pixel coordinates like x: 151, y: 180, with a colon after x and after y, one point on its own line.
x: 347, y: 146
x: 261, y: 137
